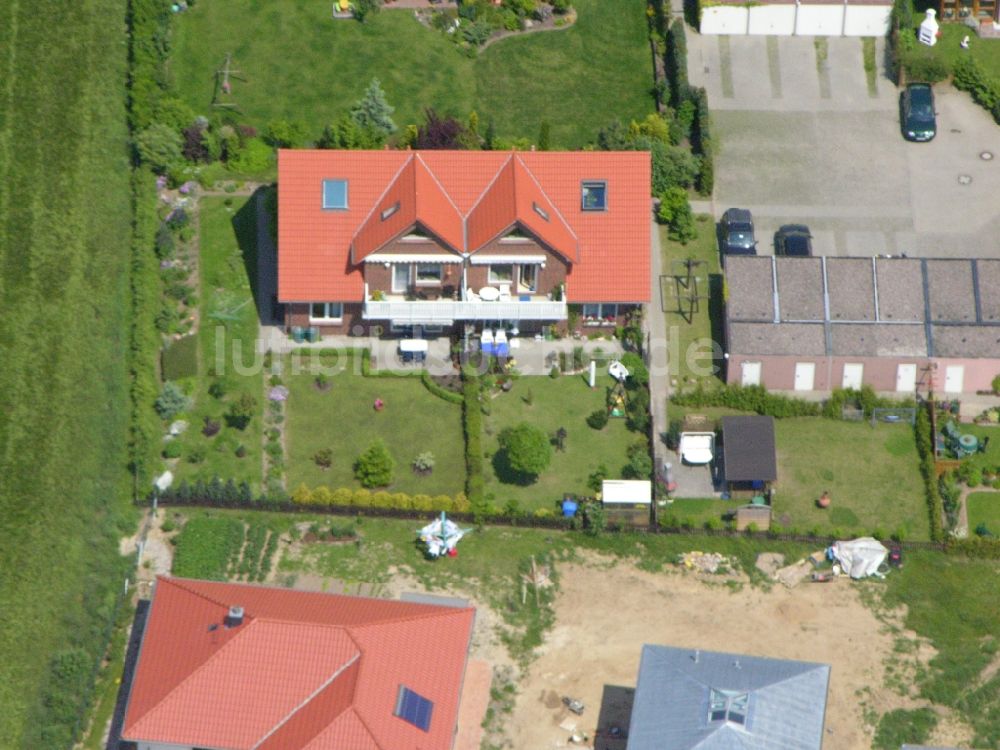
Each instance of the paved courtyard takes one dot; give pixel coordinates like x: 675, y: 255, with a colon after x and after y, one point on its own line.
x: 804, y: 137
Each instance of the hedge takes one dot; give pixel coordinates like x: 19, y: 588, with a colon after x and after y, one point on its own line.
x: 864, y: 399
x: 701, y: 140
x: 753, y: 398
x: 350, y: 498
x: 925, y: 449
x: 472, y: 426
x: 180, y: 359
x: 144, y: 427
x: 444, y: 393
x: 676, y: 63
x: 149, y: 32
x: 985, y: 88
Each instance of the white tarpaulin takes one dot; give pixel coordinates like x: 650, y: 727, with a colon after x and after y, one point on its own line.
x: 860, y: 558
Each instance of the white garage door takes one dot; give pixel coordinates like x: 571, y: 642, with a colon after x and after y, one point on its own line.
x: 805, y: 376
x: 750, y: 373
x: 853, y: 375
x: 906, y: 378
x: 953, y: 377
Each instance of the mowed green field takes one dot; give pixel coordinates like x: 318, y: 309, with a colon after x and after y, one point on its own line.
x: 65, y: 222
x: 296, y: 62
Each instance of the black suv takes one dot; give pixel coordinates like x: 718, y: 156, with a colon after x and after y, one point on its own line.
x: 916, y: 112
x: 793, y: 239
x: 736, y: 233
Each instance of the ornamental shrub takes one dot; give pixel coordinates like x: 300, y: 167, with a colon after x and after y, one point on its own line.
x: 374, y: 467
x: 526, y: 448
x: 171, y: 401
x: 159, y: 146
x: 598, y: 419
x: 241, y: 411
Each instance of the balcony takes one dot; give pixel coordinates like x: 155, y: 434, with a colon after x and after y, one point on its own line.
x: 447, y: 311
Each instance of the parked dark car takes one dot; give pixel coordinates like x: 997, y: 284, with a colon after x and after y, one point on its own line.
x: 736, y: 233
x: 793, y: 239
x: 917, y: 117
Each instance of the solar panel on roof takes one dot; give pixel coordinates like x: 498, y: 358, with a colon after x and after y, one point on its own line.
x: 414, y: 708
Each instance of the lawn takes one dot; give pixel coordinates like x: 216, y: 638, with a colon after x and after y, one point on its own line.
x: 687, y: 331
x: 65, y: 227
x: 564, y: 402
x: 298, y: 63
x: 952, y: 601
x: 984, y: 508
x: 227, y: 338
x: 343, y: 419
x: 948, y: 48
x: 872, y: 475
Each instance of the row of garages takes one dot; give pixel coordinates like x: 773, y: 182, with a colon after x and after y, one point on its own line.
x: 801, y: 19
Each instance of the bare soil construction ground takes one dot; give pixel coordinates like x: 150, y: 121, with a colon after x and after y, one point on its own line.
x: 606, y: 612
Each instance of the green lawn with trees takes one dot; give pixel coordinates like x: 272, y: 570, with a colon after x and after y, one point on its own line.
x: 65, y: 228
x: 550, y: 404
x: 338, y: 416
x: 572, y: 78
x: 217, y: 443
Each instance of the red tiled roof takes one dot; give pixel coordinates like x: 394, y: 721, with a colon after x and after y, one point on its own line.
x: 466, y: 198
x: 304, y: 670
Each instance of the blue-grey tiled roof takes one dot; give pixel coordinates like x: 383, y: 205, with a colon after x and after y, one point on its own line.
x: 787, y: 702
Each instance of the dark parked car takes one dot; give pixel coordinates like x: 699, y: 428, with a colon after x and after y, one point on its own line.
x: 736, y: 233
x: 793, y: 239
x: 916, y: 112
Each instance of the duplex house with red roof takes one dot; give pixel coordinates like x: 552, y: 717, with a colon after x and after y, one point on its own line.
x: 369, y: 240
x: 226, y: 666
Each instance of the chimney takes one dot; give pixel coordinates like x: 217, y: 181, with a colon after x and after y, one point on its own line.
x: 235, y: 617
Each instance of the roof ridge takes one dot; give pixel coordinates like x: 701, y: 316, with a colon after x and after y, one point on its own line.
x: 312, y: 695
x: 551, y: 202
x: 448, y: 611
x: 368, y: 729
x: 434, y: 177
x: 489, y: 185
x: 179, y: 582
x: 378, y: 201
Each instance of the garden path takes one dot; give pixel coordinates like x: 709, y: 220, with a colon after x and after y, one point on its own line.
x: 962, y: 525
x: 655, y: 323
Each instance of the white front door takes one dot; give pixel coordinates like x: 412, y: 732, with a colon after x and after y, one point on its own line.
x: 853, y: 374
x: 400, y: 277
x: 805, y: 375
x: 953, y: 377
x: 906, y: 378
x: 750, y: 373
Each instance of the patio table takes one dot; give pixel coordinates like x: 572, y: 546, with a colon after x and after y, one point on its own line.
x: 489, y: 294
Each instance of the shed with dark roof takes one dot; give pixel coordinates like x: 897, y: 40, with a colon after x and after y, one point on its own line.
x: 748, y: 452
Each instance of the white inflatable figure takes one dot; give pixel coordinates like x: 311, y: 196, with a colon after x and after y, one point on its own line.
x: 618, y: 371
x: 441, y: 536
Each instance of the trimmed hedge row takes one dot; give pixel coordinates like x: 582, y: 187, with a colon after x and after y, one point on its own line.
x: 149, y: 32
x: 701, y: 141
x: 443, y: 393
x: 472, y: 426
x: 676, y: 64
x: 350, y: 498
x: 144, y: 427
x: 753, y: 398
x: 925, y: 449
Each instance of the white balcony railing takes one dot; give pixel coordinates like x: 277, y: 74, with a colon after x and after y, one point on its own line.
x: 446, y: 311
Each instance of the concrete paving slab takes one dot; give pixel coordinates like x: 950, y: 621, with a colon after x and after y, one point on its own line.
x: 751, y: 82
x: 866, y: 243
x: 692, y: 481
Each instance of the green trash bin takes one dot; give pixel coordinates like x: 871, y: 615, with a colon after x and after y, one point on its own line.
x: 298, y: 334
x: 312, y: 334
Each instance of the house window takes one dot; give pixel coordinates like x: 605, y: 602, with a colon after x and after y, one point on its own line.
x: 529, y: 277
x: 728, y: 705
x: 428, y: 273
x: 387, y: 212
x: 334, y: 194
x: 540, y: 211
x: 413, y: 708
x: 594, y: 196
x: 326, y: 312
x: 502, y: 273
x: 596, y: 315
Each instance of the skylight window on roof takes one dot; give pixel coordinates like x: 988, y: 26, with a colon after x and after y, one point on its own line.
x: 334, y: 194
x: 728, y: 705
x: 389, y: 211
x: 594, y: 196
x: 414, y: 708
x: 540, y: 211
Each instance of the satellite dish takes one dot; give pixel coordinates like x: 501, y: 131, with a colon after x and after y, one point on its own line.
x: 618, y: 371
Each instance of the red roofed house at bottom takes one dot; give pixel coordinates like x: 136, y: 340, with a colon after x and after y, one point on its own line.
x: 226, y: 666
x: 369, y: 241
